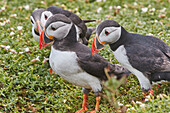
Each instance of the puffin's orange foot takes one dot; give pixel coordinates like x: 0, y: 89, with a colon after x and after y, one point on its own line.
x: 82, y: 110
x: 51, y: 71
x: 94, y: 111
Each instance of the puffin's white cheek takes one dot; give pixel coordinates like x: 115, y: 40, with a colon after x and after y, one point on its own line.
x: 103, y: 38
x: 62, y: 32
x: 43, y: 21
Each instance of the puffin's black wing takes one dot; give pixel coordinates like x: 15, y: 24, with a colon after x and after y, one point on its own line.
x: 148, y: 58
x: 95, y: 64
x: 92, y: 65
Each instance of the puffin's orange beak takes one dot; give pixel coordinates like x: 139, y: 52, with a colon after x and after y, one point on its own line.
x: 41, y: 41
x: 45, y: 40
x: 96, y: 45
x: 38, y: 25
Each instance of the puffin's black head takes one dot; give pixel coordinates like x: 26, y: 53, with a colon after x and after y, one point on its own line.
x: 55, y: 9
x: 57, y: 27
x: 107, y: 32
x: 36, y: 20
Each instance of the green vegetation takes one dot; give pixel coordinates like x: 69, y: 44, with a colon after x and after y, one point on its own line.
x: 25, y: 82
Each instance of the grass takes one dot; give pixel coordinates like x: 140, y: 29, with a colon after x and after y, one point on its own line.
x: 27, y: 86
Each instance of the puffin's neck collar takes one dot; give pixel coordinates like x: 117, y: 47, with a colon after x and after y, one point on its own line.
x: 69, y: 40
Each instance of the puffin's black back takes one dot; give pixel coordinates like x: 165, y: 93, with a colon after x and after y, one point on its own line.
x: 75, y: 19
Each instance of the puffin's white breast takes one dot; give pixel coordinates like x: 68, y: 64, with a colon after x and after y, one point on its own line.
x: 120, y: 55
x: 65, y: 64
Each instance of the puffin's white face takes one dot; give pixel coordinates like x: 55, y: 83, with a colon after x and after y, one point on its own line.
x: 58, y: 29
x: 109, y: 35
x: 45, y: 16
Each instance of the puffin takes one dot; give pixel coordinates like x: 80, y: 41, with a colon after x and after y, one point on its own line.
x: 39, y: 17
x: 73, y: 61
x: 147, y: 57
x: 36, y: 23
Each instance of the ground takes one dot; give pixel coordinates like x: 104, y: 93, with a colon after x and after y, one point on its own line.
x: 25, y: 82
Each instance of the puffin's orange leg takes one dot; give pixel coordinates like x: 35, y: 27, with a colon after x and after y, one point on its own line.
x: 97, y: 105
x: 84, y: 108
x: 51, y: 71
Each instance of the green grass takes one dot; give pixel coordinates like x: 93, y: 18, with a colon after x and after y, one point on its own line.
x: 27, y: 86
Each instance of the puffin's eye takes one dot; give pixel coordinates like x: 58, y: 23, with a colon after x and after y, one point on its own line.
x: 45, y: 17
x: 106, y: 32
x: 53, y: 28
x: 32, y: 21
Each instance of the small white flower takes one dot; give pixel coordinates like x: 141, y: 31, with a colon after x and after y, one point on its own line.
x: 148, y: 96
x: 27, y: 49
x: 146, y: 100
x: 160, y: 95
x: 11, y: 33
x: 13, y: 51
x: 135, y: 3
x: 2, y: 9
x: 36, y: 59
x: 12, y: 28
x: 128, y: 109
x: 132, y: 108
x: 8, y: 21
x: 118, y: 7
x: 42, y: 2
x: 98, y: 0
x: 27, y: 7
x: 164, y: 95
x: 120, y: 104
x: 21, y: 52
x: 45, y: 60
x: 142, y: 106
x: 7, y: 47
x: 153, y: 9
x: 125, y: 6
x: 35, y: 9
x: 78, y: 13
x: 2, y: 23
x: 144, y: 10
x: 110, y: 7
x: 19, y: 28
x: 13, y: 15
x: 149, y: 5
x: 156, y: 21
x: 150, y: 34
x: 64, y: 100
x: 99, y: 9
x: 136, y: 12
x: 163, y: 10
x: 20, y: 7
x: 2, y: 46
x: 138, y: 102
x: 128, y: 105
